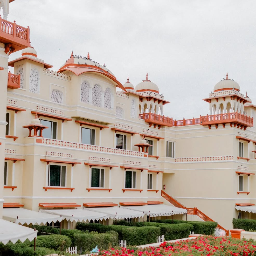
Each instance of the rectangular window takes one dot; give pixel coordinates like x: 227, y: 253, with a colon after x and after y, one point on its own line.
x: 241, y: 183
x: 97, y: 178
x: 7, y: 131
x: 120, y: 141
x: 130, y: 179
x: 150, y: 149
x: 150, y: 181
x: 241, y: 149
x: 51, y: 131
x: 87, y: 136
x: 170, y: 149
x: 5, y: 173
x: 57, y: 176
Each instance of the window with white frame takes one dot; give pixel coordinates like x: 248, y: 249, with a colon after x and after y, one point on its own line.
x: 120, y: 141
x: 241, y: 183
x: 7, y: 131
x: 130, y: 179
x: 170, y: 147
x: 5, y: 173
x: 150, y: 148
x: 51, y: 131
x: 150, y: 181
x: 241, y: 149
x: 87, y: 136
x: 97, y: 178
x: 57, y: 175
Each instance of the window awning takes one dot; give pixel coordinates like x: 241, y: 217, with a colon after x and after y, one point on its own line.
x: 78, y: 214
x: 63, y: 118
x: 151, y: 136
x: 243, y: 138
x: 158, y: 210
x: 124, y: 131
x: 22, y: 216
x: 245, y: 173
x: 118, y: 212
x: 100, y: 165
x: 14, y: 232
x: 16, y: 109
x: 59, y: 161
x: 92, y: 124
x: 246, y: 208
x: 104, y: 204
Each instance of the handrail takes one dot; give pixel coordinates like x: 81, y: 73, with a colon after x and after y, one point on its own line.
x: 191, y: 211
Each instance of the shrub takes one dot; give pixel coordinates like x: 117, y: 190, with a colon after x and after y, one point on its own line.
x: 140, y: 235
x: 86, y: 241
x: 203, y: 227
x: 20, y: 249
x: 71, y: 234
x: 56, y: 242
x: 245, y: 224
x: 93, y: 227
x: 46, y: 230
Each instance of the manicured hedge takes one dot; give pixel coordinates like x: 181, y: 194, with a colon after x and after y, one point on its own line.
x: 93, y: 227
x: 56, y: 242
x: 46, y: 230
x: 246, y: 224
x: 71, y: 234
x: 86, y: 241
x: 140, y: 235
x: 23, y: 249
x: 199, y: 227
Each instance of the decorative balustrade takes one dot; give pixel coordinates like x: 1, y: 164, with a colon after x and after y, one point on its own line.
x: 185, y: 122
x: 67, y: 144
x: 155, y: 119
x: 236, y: 118
x: 13, y: 81
x: 17, y: 36
x: 226, y: 93
x: 203, y: 159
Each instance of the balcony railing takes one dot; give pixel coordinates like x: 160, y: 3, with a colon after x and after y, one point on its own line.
x: 13, y: 81
x: 185, y: 122
x: 17, y: 36
x: 95, y: 148
x: 155, y: 119
x: 227, y: 118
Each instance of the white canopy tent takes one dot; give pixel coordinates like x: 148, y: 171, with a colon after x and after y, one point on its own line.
x: 246, y: 208
x: 22, y: 216
x: 13, y: 232
x: 118, y: 212
x: 78, y: 214
x: 157, y: 210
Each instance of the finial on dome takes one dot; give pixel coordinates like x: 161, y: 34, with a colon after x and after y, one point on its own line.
x: 72, y: 55
x: 227, y: 76
x: 128, y: 80
x: 88, y: 56
x: 147, y: 77
x: 246, y: 95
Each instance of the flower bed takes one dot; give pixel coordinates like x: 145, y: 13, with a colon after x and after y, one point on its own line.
x: 204, y: 245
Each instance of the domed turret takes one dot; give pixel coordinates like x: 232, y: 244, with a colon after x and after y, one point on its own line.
x: 226, y: 84
x: 29, y: 51
x: 147, y: 85
x: 128, y: 85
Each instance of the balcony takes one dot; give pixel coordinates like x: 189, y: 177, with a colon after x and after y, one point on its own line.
x: 236, y: 119
x: 154, y: 119
x: 13, y: 81
x: 14, y: 36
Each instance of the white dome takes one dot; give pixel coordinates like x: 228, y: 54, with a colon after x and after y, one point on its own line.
x: 147, y: 85
x: 128, y: 85
x: 227, y: 84
x: 29, y: 51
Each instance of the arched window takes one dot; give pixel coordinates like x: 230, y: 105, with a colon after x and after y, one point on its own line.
x: 119, y: 112
x: 133, y: 109
x: 57, y: 96
x: 34, y: 85
x: 107, y: 98
x: 96, y: 95
x: 85, y: 92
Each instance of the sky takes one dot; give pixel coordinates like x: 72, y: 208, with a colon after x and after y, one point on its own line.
x: 186, y: 46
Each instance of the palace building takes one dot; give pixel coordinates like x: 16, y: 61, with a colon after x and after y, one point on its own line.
x: 79, y: 145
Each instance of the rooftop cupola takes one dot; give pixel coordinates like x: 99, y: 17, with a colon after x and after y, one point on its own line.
x: 128, y: 85
x: 147, y: 85
x: 226, y: 84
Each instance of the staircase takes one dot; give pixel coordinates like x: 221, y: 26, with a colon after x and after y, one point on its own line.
x: 190, y: 211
